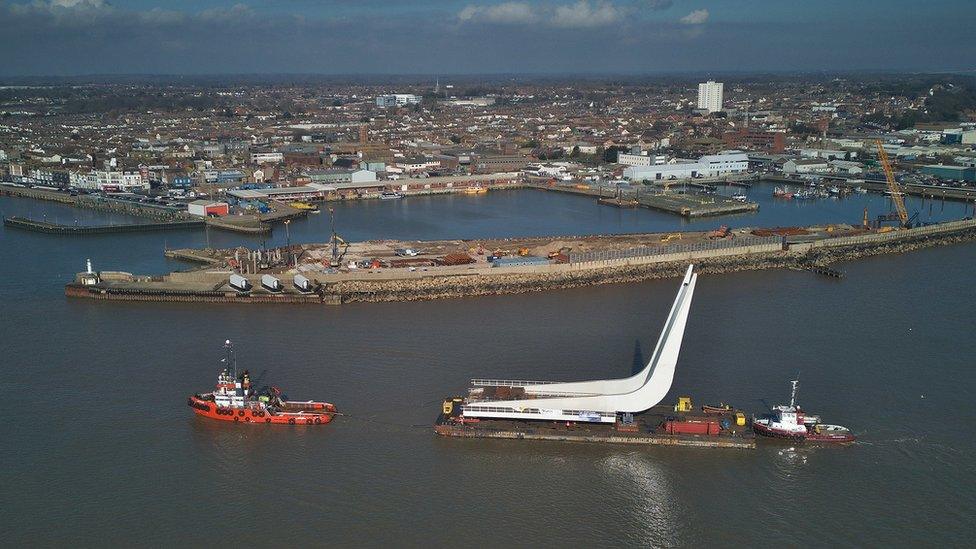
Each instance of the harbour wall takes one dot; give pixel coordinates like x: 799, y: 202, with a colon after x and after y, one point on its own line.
x: 768, y: 255
x: 601, y: 268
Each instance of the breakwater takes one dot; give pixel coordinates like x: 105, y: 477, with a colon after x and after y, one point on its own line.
x: 403, y: 285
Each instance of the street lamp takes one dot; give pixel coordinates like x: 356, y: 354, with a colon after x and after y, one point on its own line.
x: 335, y: 243
x: 288, y: 239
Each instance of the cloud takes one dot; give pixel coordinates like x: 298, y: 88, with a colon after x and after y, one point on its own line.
x: 583, y: 14
x: 70, y: 4
x: 506, y: 13
x: 66, y: 37
x: 696, y: 17
x: 659, y: 4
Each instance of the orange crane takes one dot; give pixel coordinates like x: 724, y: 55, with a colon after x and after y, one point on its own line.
x: 897, y: 197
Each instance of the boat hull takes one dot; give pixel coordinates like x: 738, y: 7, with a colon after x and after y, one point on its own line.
x: 317, y: 413
x: 833, y: 438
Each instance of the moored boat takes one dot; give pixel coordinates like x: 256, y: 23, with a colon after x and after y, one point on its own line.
x: 783, y: 192
x: 235, y: 399
x: 390, y: 195
x: 792, y: 423
x: 722, y: 408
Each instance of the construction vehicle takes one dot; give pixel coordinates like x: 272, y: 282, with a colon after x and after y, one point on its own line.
x: 669, y: 237
x: 897, y: 196
x: 721, y: 232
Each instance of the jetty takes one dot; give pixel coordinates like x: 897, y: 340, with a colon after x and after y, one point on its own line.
x: 40, y: 226
x: 689, y: 205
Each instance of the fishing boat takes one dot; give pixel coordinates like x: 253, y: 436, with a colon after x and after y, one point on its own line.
x: 235, y: 399
x: 783, y: 192
x: 305, y: 206
x: 792, y: 423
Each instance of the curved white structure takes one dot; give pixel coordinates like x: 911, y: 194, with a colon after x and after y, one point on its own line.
x: 599, y: 400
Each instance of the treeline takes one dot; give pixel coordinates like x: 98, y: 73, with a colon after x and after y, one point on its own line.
x: 140, y: 101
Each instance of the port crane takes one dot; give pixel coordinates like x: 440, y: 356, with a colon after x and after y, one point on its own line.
x: 897, y: 196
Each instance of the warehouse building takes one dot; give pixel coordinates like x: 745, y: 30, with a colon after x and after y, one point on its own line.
x: 952, y: 173
x: 713, y: 165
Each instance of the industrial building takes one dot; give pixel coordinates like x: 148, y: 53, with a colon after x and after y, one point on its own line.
x: 205, y: 208
x: 341, y: 175
x: 806, y: 165
x: 715, y: 165
x: 953, y: 173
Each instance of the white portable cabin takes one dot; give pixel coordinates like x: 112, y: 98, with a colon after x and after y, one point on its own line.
x: 271, y: 283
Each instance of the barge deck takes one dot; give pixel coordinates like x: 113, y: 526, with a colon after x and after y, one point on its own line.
x: 646, y: 429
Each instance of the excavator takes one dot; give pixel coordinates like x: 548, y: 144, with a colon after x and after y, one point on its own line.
x: 897, y: 196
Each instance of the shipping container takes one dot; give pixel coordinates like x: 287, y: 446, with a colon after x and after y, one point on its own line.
x: 691, y: 427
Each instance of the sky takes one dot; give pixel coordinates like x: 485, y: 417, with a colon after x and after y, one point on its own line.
x: 443, y: 37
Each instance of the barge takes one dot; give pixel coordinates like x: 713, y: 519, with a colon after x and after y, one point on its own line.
x: 659, y: 426
x: 625, y: 410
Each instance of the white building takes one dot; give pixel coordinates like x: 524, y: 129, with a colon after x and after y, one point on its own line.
x: 267, y: 157
x: 710, y: 96
x: 827, y: 154
x: 555, y: 170
x: 806, y: 165
x: 397, y: 100
x: 713, y: 165
x: 108, y: 180
x: 846, y: 167
x: 641, y: 159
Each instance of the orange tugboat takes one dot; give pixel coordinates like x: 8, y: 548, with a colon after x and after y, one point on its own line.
x: 234, y: 399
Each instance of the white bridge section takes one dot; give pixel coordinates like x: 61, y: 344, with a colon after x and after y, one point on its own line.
x: 599, y: 400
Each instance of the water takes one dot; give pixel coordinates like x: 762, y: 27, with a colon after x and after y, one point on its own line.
x: 100, y: 447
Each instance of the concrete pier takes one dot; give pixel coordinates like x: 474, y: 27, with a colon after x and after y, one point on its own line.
x: 55, y: 228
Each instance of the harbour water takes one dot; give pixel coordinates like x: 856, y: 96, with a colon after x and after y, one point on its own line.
x: 101, y: 448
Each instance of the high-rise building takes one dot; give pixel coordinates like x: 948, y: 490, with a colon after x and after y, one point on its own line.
x: 710, y: 96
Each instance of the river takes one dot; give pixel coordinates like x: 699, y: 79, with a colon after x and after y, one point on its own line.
x: 101, y: 448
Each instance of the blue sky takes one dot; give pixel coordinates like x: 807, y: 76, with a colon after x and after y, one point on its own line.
x: 68, y: 37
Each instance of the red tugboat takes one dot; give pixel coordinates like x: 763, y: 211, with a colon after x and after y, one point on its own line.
x: 234, y: 399
x: 790, y: 422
